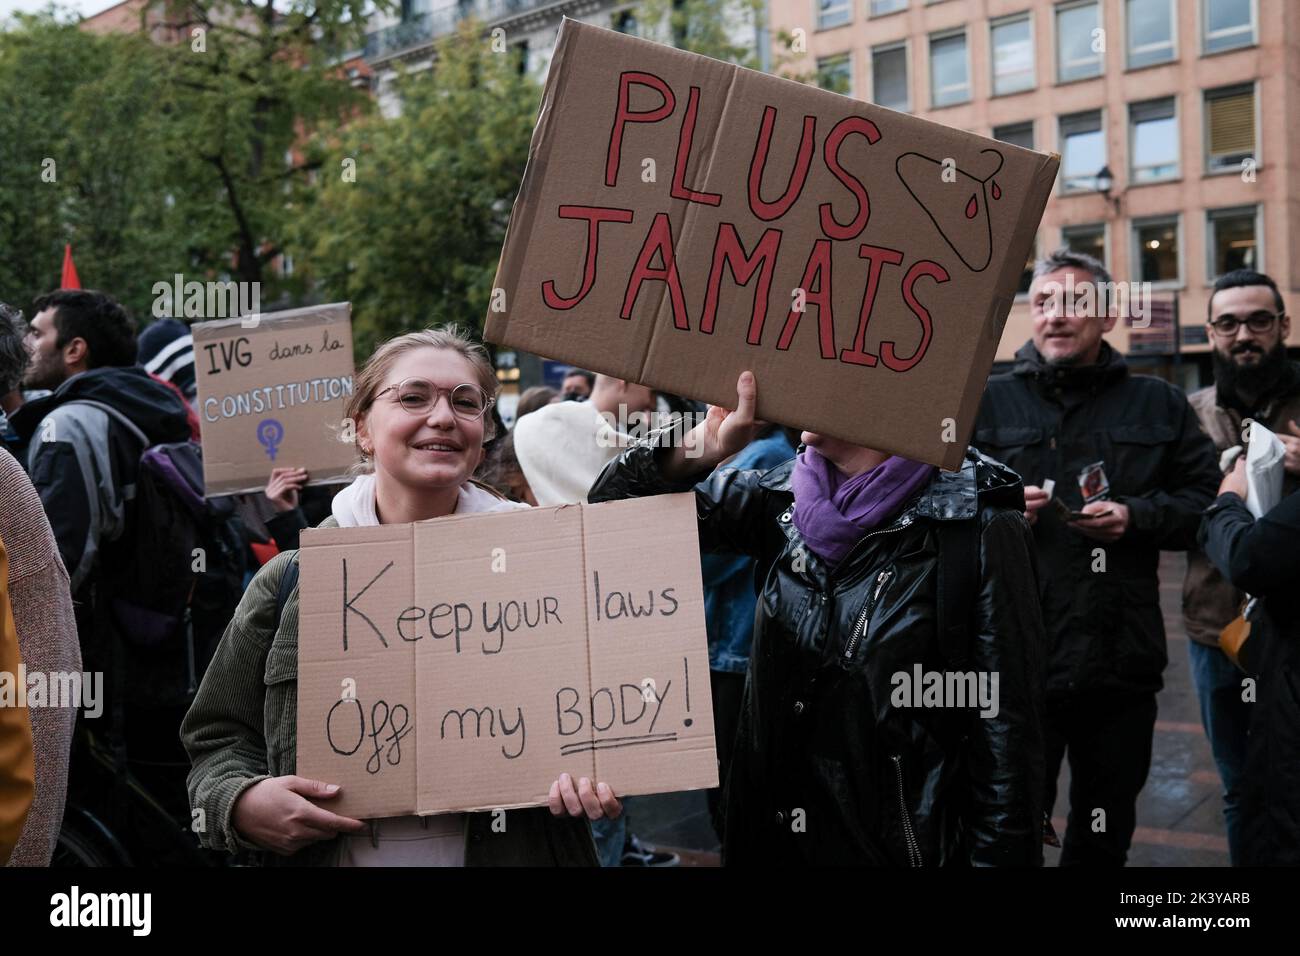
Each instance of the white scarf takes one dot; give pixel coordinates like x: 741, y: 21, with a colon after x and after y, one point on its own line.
x: 354, y: 506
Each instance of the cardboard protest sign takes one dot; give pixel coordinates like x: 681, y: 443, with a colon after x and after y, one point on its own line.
x: 465, y: 663
x: 272, y: 391
x: 682, y: 219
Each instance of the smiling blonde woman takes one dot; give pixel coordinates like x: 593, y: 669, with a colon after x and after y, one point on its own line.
x: 422, y: 406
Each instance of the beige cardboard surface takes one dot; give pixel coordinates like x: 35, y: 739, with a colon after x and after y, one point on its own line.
x: 466, y: 662
x: 860, y: 261
x: 272, y: 393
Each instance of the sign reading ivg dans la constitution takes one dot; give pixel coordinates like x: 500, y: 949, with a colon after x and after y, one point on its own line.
x: 273, y: 393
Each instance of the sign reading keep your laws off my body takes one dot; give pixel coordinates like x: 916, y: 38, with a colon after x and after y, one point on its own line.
x: 682, y: 219
x: 464, y: 663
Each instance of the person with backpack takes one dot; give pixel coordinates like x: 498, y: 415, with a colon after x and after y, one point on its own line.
x: 892, y: 713
x: 421, y: 405
x: 82, y: 454
x: 110, y: 455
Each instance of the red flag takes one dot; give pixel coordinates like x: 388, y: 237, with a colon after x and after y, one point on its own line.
x: 70, y: 280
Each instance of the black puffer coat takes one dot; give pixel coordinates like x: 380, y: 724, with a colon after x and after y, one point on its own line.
x: 827, y: 769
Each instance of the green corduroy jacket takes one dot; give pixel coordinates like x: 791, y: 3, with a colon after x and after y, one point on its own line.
x: 242, y: 728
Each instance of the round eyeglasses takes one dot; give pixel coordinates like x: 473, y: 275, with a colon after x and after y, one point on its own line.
x: 419, y: 397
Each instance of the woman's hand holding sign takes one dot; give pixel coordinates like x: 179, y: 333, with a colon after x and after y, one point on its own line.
x: 275, y: 814
x: 284, y: 487
x: 722, y: 434
x: 593, y: 802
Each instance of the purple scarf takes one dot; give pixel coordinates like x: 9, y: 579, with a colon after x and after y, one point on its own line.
x: 832, y: 511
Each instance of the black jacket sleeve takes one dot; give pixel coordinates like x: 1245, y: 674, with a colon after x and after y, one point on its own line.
x: 1006, y: 750
x: 736, y: 513
x: 1257, y: 556
x: 1169, y: 516
x: 285, y: 528
x: 71, y: 501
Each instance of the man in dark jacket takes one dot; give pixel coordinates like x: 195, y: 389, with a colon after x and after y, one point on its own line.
x: 1260, y: 558
x: 1131, y: 471
x: 84, y: 443
x: 840, y: 758
x: 82, y: 457
x: 1253, y: 378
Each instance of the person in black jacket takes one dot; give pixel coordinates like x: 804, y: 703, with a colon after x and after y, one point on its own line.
x: 81, y: 457
x: 840, y: 758
x: 1130, y: 472
x: 1260, y: 557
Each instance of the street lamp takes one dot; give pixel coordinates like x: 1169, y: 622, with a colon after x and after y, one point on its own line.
x: 1104, y: 180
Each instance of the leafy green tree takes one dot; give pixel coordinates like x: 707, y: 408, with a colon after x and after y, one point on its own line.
x: 728, y: 30
x: 79, y: 143
x: 411, y: 232
x: 253, y: 80
x: 180, y: 148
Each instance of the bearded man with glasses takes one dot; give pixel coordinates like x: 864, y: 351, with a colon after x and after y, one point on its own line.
x: 1253, y: 378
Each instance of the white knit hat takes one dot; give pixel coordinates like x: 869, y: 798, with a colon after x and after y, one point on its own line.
x: 562, y: 449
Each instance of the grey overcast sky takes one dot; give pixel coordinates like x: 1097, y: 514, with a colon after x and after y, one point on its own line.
x: 84, y: 7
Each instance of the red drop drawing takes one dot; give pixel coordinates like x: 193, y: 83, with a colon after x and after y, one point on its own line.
x: 997, y: 190
x: 972, y: 207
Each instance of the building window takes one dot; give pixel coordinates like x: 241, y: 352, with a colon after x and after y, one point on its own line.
x: 889, y: 76
x: 833, y: 13
x: 1013, y: 54
x: 1078, y: 41
x: 879, y: 7
x: 1232, y: 240
x: 625, y: 22
x: 415, y: 9
x: 1089, y: 239
x: 1153, y: 140
x: 1017, y: 134
x: 1228, y: 24
x: 1156, y: 242
x: 949, y: 70
x: 1150, y: 28
x: 1229, y: 127
x: 1083, y: 150
x: 835, y: 73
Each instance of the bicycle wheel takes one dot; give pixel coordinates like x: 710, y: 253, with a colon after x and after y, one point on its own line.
x: 76, y: 848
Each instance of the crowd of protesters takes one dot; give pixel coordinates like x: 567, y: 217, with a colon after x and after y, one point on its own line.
x: 829, y: 569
